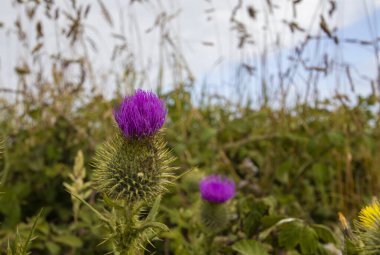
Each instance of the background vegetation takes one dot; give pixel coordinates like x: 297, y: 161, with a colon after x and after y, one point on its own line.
x: 296, y: 165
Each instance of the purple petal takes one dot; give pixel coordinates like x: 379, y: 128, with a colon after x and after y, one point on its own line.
x: 141, y: 114
x: 217, y: 189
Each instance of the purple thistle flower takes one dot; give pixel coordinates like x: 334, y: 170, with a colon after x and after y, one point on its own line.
x: 141, y: 114
x: 217, y: 189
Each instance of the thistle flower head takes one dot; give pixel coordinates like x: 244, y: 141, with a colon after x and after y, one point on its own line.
x: 217, y: 189
x: 140, y: 115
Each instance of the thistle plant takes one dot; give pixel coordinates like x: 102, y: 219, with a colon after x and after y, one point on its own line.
x: 215, y: 191
x: 132, y: 171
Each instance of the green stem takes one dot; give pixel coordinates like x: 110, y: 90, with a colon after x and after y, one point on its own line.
x: 207, y: 243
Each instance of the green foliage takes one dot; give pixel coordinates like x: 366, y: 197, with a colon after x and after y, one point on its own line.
x: 126, y: 232
x: 1, y: 146
x: 295, y: 234
x: 253, y: 212
x: 283, y: 162
x: 291, y: 235
x: 324, y: 233
x: 20, y: 245
x: 249, y: 247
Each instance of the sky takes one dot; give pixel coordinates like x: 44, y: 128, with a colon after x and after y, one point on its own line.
x: 202, y: 31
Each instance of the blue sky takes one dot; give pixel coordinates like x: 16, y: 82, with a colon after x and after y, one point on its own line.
x: 361, y: 58
x: 202, y: 33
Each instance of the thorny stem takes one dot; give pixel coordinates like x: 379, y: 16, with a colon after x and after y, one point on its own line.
x: 127, y: 232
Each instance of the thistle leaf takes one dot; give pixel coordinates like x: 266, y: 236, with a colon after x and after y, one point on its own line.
x: 29, y: 238
x: 111, y: 203
x: 157, y: 225
x: 100, y: 216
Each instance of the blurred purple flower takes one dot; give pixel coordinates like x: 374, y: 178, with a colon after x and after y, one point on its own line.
x: 141, y: 114
x: 217, y: 189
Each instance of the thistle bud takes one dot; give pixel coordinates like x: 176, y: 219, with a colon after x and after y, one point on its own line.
x: 345, y: 226
x: 135, y: 164
x: 215, y: 191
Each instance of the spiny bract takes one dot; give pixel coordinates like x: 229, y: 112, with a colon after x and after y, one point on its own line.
x: 133, y: 170
x: 214, y: 217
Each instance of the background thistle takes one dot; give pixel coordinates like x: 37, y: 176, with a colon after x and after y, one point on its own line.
x: 215, y: 191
